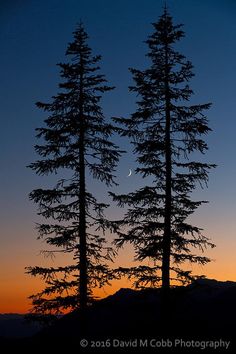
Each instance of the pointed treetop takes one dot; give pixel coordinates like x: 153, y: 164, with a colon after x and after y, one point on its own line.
x: 165, y: 7
x: 80, y: 26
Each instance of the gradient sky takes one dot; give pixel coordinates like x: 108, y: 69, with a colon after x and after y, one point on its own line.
x: 33, y: 38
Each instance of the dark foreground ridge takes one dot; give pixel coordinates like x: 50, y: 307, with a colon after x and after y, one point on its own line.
x: 201, y: 318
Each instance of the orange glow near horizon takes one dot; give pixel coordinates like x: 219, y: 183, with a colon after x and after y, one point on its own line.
x: 17, y: 286
x: 14, y: 299
x: 15, y: 255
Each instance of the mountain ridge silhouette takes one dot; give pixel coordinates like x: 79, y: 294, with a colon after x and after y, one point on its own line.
x: 204, y: 310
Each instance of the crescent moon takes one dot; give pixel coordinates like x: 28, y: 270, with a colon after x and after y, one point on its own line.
x: 130, y: 173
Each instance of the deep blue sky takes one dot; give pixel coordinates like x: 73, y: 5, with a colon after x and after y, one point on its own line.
x: 33, y: 38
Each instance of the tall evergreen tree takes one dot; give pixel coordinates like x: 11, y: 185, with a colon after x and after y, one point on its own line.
x: 75, y: 143
x: 166, y: 133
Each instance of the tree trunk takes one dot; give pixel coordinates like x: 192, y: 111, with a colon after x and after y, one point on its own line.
x: 82, y: 210
x: 167, y: 216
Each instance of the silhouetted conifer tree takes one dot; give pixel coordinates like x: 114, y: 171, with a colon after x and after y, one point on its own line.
x: 75, y: 143
x: 166, y: 133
